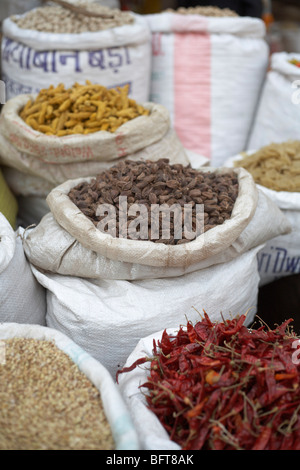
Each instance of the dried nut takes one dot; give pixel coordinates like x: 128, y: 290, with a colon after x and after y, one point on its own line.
x: 159, y: 183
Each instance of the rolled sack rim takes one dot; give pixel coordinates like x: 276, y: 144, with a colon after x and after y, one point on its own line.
x: 124, y: 35
x: 173, y: 22
x: 128, y: 138
x: 146, y: 252
x: 280, y: 64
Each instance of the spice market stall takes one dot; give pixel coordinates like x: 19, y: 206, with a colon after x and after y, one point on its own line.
x: 134, y: 225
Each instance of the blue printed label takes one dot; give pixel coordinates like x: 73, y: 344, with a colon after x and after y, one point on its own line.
x: 111, y: 58
x: 278, y: 261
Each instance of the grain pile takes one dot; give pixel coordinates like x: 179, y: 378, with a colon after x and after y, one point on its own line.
x: 275, y: 166
x: 56, y: 19
x: 46, y: 402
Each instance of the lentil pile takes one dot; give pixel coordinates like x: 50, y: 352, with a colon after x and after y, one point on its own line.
x: 47, y: 403
x: 204, y: 11
x: 221, y: 386
x: 56, y: 19
x: 81, y: 109
x: 150, y: 183
x: 275, y: 166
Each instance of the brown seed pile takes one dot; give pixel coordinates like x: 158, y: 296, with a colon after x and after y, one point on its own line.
x: 150, y: 183
x: 204, y: 11
x: 46, y: 402
x: 56, y: 19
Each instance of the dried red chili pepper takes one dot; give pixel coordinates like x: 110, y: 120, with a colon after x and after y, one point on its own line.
x: 133, y: 366
x: 263, y: 439
x: 223, y: 386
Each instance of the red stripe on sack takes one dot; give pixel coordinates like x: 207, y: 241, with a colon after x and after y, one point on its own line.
x: 192, y: 91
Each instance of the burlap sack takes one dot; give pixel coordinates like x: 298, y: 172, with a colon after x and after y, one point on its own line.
x: 56, y: 159
x: 65, y: 237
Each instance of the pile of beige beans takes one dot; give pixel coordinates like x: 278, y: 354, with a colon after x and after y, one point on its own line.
x: 56, y: 19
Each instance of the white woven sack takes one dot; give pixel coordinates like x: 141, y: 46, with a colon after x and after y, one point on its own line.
x: 278, y: 113
x: 116, y: 412
x: 280, y: 256
x: 65, y: 237
x: 152, y: 434
x: 57, y: 159
x: 32, y: 60
x: 107, y: 318
x: 22, y: 298
x: 208, y: 72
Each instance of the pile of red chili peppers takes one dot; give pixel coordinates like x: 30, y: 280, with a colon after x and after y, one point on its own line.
x: 222, y: 386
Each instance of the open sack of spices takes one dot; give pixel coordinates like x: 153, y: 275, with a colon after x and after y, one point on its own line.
x: 278, y: 113
x: 22, y: 298
x: 276, y: 170
x: 64, y: 133
x: 59, y: 397
x: 53, y: 44
x: 215, y: 386
x: 203, y: 60
x: 107, y: 291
